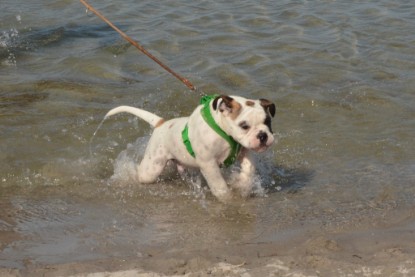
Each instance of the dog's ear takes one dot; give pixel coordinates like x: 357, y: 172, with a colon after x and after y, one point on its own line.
x: 268, y: 106
x: 227, y: 106
x: 222, y: 100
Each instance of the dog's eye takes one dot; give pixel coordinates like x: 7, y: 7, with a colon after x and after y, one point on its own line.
x: 244, y: 125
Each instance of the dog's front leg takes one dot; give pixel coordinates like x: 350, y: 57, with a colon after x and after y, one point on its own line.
x: 214, y: 178
x: 244, y: 180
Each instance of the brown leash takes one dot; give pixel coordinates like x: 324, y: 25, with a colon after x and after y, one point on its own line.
x: 139, y: 47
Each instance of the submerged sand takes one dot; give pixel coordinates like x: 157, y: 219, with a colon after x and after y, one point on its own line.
x: 366, y: 252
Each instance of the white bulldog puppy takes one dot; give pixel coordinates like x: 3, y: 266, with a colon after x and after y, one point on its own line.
x: 219, y: 131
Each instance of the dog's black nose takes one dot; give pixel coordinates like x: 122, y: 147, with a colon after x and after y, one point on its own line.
x: 263, y: 137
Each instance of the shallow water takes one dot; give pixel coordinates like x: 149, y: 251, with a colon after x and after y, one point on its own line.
x: 341, y: 75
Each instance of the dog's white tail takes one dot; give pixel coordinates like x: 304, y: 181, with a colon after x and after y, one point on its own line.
x: 150, y: 118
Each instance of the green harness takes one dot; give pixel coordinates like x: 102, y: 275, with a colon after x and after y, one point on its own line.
x: 207, y: 116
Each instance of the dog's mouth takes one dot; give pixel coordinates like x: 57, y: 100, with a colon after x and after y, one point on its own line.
x: 260, y: 143
x: 261, y: 148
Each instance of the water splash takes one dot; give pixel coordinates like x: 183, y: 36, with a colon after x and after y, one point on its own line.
x: 8, y: 38
x: 7, y: 44
x: 125, y: 165
x: 91, y: 153
x: 125, y: 173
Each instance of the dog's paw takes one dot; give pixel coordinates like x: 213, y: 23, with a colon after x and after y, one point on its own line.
x: 245, y: 192
x: 242, y: 187
x: 224, y: 196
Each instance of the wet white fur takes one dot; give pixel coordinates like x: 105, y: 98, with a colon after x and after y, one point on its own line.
x: 211, y: 150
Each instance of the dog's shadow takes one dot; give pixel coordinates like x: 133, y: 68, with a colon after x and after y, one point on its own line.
x: 290, y: 180
x: 277, y: 178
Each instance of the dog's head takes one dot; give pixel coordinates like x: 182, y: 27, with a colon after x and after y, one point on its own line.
x: 247, y: 121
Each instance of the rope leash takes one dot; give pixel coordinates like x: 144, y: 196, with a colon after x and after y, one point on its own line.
x: 141, y: 48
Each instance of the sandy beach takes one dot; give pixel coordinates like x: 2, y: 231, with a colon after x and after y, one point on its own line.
x: 370, y: 252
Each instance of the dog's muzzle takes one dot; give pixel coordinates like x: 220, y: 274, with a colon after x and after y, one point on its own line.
x: 264, y: 141
x: 263, y: 138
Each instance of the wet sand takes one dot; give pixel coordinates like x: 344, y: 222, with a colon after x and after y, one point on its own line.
x: 164, y: 230
x: 384, y: 251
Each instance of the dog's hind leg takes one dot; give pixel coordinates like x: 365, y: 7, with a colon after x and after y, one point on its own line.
x: 153, y: 163
x: 150, y: 169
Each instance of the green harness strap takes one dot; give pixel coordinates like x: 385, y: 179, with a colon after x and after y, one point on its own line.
x: 207, y: 116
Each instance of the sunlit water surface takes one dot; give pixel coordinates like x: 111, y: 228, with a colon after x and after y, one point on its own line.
x: 341, y: 75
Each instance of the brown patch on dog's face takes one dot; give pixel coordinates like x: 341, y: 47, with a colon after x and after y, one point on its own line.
x: 250, y: 103
x: 236, y: 109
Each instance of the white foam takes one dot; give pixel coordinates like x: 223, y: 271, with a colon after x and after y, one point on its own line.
x: 8, y: 41
x: 125, y: 172
x: 125, y: 165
